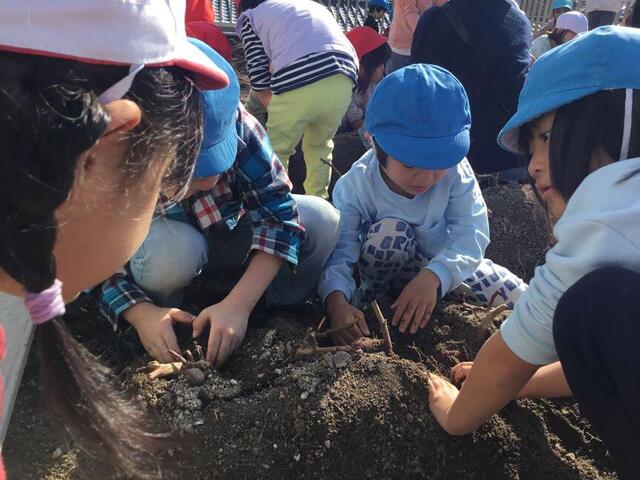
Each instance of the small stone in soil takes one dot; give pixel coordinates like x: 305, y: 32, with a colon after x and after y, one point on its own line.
x: 341, y: 359
x: 304, y: 395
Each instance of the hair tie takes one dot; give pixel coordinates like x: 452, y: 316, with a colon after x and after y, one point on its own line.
x: 45, y: 305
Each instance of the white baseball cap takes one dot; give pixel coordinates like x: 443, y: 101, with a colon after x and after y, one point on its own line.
x: 134, y: 33
x: 574, y: 21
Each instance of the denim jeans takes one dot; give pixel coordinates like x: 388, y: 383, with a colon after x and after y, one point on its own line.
x: 174, y: 253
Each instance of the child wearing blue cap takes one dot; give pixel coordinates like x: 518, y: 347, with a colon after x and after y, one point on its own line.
x: 238, y: 211
x: 576, y: 330
x: 412, y: 217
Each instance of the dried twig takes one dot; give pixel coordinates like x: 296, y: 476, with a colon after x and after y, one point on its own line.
x: 333, y: 167
x: 490, y: 317
x: 157, y: 369
x: 384, y: 327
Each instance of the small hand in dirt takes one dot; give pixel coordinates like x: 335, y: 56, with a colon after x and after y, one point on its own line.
x: 416, y: 302
x: 155, y: 328
x: 441, y: 397
x: 341, y: 313
x: 228, y: 327
x: 460, y: 372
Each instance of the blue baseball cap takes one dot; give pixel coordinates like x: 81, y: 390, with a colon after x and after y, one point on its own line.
x: 220, y: 111
x: 420, y: 116
x: 562, y: 4
x: 384, y: 4
x: 601, y: 59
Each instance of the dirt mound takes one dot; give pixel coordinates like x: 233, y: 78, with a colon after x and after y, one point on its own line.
x: 364, y: 415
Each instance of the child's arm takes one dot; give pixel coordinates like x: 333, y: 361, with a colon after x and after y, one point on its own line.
x: 548, y: 382
x: 468, y: 232
x: 496, y: 378
x: 337, y: 285
x: 277, y: 238
x: 257, y: 60
x: 228, y: 319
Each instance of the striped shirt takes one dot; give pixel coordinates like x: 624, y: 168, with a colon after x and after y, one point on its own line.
x: 303, y: 71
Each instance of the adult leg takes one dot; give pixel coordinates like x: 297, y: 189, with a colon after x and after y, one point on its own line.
x: 397, y: 61
x: 329, y: 99
x: 388, y: 247
x: 596, y: 330
x: 286, y: 122
x: 171, y: 256
x: 488, y: 280
x: 321, y: 222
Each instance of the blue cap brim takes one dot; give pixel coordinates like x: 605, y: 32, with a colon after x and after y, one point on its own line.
x: 217, y: 158
x: 509, y: 136
x: 427, y: 153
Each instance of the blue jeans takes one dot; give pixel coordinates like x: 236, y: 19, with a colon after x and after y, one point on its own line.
x: 174, y: 253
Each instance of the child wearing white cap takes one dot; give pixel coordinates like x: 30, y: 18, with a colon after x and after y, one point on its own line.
x: 575, y: 331
x: 99, y: 117
x: 567, y: 27
x: 413, y: 222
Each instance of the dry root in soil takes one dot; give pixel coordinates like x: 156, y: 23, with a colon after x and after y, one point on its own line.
x: 193, y: 368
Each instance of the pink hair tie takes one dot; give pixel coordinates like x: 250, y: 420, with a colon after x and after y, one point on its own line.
x: 47, y: 304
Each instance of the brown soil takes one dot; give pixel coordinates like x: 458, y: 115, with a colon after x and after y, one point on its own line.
x: 270, y: 414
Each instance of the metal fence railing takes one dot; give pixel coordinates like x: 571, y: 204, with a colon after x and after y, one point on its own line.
x: 352, y: 13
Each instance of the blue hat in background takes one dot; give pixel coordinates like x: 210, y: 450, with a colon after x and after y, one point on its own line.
x: 220, y: 111
x: 601, y: 59
x: 562, y: 4
x: 384, y: 4
x: 420, y: 116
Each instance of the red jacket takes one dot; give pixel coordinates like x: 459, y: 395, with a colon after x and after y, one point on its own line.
x: 200, y: 10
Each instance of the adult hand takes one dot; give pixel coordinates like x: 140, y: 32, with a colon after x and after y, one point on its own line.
x: 155, y: 328
x: 416, y: 302
x: 441, y: 397
x: 342, y: 313
x: 228, y: 325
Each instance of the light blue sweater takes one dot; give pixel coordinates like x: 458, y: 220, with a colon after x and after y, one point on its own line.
x: 450, y: 221
x: 600, y: 227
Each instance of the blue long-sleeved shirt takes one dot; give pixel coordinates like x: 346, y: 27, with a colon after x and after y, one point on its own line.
x: 450, y: 221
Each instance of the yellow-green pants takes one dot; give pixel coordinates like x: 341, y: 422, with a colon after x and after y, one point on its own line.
x: 313, y: 113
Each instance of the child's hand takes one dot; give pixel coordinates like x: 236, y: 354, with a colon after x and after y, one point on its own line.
x: 441, y: 397
x: 228, y: 327
x: 460, y: 372
x: 416, y: 302
x: 342, y: 313
x: 155, y: 328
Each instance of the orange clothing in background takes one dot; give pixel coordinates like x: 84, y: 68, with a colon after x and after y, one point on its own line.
x: 405, y: 18
x: 212, y: 36
x: 200, y: 10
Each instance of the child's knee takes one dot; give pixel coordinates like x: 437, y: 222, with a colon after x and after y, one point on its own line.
x: 170, y: 257
x: 389, y: 240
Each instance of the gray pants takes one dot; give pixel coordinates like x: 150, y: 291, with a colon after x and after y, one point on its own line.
x: 175, y: 252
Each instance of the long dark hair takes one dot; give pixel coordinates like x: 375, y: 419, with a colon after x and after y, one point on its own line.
x: 49, y: 115
x: 369, y: 63
x: 634, y: 18
x: 581, y: 128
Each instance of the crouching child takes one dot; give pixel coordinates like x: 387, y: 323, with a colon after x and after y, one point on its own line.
x: 238, y: 211
x: 413, y: 223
